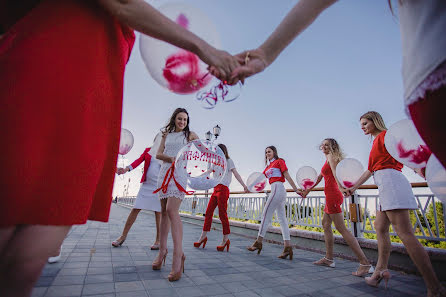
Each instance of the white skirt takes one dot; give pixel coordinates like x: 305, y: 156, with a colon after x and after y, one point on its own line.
x: 395, y: 191
x: 145, y: 198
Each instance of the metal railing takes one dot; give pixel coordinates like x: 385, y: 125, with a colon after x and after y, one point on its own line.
x: 429, y: 221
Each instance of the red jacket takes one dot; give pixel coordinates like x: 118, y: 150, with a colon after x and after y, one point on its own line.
x: 146, y: 157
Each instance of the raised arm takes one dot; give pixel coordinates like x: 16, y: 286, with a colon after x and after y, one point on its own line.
x: 240, y: 180
x: 142, y: 17
x: 293, y: 185
x: 296, y: 21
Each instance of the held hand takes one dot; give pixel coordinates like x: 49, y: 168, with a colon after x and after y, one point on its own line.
x: 246, y: 189
x: 252, y: 62
x: 349, y: 191
x: 305, y: 193
x: 172, y: 159
x: 120, y: 171
x: 221, y: 63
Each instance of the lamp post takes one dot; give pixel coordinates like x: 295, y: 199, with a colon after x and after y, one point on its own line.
x: 215, y: 132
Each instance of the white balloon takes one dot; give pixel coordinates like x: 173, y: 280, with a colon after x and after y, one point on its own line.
x: 256, y: 182
x: 125, y: 142
x: 436, y: 178
x: 348, y: 172
x: 176, y: 69
x: 203, y: 163
x: 403, y: 143
x: 306, y: 177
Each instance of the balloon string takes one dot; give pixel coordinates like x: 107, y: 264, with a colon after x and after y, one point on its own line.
x: 169, y: 175
x: 216, y: 93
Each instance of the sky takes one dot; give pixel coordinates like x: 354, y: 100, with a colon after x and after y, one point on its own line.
x: 346, y: 63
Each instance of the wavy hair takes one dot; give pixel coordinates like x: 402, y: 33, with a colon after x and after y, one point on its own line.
x: 334, y: 149
x: 170, y: 127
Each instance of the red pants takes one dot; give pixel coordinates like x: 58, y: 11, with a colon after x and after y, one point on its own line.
x: 427, y: 115
x: 219, y: 198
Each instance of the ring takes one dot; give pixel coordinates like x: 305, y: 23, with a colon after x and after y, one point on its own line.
x: 247, y: 58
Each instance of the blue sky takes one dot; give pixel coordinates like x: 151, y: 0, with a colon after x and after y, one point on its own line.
x: 347, y: 63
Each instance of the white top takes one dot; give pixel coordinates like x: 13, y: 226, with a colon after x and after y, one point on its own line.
x: 423, y: 36
x: 227, y: 178
x: 174, y: 142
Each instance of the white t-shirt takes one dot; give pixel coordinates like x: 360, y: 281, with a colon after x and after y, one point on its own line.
x: 226, y: 181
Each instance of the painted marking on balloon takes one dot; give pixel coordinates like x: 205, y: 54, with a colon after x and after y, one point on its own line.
x: 417, y: 156
x: 307, y: 183
x: 348, y: 184
x: 259, y: 186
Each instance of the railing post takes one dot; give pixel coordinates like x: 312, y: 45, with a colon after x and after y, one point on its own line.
x: 355, y: 215
x: 194, y: 204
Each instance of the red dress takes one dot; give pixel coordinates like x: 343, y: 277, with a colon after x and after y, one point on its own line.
x: 61, y: 87
x: 333, y: 196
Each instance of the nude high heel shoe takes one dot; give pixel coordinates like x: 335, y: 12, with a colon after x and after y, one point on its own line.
x: 374, y: 282
x: 255, y: 246
x: 157, y: 265
x: 174, y: 276
x: 287, y: 251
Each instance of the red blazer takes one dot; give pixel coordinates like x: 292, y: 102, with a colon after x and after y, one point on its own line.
x: 146, y: 157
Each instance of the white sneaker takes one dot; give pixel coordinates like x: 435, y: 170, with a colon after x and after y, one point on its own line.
x: 56, y: 258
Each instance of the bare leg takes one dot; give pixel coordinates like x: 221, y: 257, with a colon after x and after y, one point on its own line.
x: 338, y: 220
x: 129, y: 223
x: 158, y: 223
x: 173, y: 206
x: 401, y: 223
x: 328, y: 236
x: 24, y: 254
x: 164, y: 231
x: 382, y: 225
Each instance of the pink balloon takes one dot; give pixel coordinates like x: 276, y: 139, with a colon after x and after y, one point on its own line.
x: 403, y: 143
x: 306, y: 177
x: 178, y: 70
x: 256, y: 182
x: 349, y: 171
x: 126, y: 142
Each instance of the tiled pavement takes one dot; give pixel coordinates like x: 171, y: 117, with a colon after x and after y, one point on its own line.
x: 91, y: 267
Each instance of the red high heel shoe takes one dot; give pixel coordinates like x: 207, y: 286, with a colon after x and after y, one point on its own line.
x: 374, y: 282
x: 221, y: 248
x: 203, y: 241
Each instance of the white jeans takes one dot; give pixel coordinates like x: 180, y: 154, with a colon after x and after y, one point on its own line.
x: 276, y: 202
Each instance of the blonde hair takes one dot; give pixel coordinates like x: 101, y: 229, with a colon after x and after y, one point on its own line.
x: 335, y: 149
x: 376, y: 118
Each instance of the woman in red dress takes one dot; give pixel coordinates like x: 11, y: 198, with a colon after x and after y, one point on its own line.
x: 61, y: 83
x: 333, y: 212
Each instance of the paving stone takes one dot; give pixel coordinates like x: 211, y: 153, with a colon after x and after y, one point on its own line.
x: 66, y: 291
x: 91, y: 267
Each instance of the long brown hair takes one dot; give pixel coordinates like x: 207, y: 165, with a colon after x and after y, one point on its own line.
x: 170, y: 127
x: 273, y: 148
x: 224, y: 149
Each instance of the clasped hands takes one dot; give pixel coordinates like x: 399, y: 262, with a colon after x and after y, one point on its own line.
x: 232, y: 69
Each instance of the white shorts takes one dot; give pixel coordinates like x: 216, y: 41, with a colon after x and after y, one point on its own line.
x: 395, y: 191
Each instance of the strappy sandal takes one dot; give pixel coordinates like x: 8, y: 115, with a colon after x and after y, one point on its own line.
x: 369, y: 271
x: 323, y: 262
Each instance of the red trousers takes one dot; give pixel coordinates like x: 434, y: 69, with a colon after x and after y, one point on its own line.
x: 219, y: 198
x: 427, y: 115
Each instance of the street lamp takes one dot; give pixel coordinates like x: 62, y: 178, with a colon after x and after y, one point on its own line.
x: 208, y: 135
x: 216, y: 130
